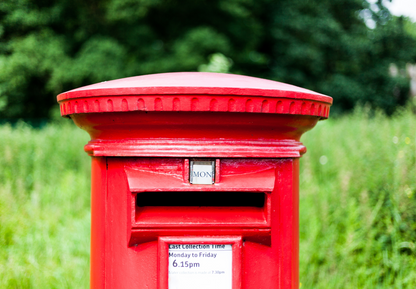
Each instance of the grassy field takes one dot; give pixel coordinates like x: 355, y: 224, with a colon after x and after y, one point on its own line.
x: 357, y: 205
x: 44, y: 207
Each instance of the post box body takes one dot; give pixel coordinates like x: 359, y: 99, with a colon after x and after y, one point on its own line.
x: 149, y: 133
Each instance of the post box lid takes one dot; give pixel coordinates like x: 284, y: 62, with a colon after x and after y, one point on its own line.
x: 194, y: 91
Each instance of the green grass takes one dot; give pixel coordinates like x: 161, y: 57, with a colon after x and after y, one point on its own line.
x: 44, y: 207
x: 357, y: 205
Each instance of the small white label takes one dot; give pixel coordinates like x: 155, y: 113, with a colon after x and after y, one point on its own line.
x: 202, y: 173
x: 202, y: 266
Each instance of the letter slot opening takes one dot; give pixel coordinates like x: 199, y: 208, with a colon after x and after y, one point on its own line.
x: 222, y: 209
x: 201, y: 199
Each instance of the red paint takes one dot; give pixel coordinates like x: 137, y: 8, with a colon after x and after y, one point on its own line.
x: 144, y: 132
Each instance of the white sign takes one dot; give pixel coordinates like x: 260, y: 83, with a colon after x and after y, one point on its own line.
x: 202, y: 172
x: 202, y: 266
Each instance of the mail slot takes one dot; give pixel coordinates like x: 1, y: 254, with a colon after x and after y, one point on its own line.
x: 195, y: 179
x: 201, y: 199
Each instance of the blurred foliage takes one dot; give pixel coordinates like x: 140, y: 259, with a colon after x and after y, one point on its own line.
x: 50, y: 46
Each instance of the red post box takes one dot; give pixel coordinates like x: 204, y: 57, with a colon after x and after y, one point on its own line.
x: 194, y: 179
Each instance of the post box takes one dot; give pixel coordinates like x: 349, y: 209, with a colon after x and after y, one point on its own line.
x: 194, y: 179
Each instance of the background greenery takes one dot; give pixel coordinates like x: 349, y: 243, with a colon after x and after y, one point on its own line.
x: 357, y: 205
x: 50, y: 46
x: 358, y: 186
x: 44, y: 207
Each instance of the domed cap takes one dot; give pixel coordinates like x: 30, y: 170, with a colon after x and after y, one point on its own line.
x: 194, y: 91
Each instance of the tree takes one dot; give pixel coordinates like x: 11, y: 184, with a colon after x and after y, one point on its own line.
x: 329, y: 48
x: 47, y: 47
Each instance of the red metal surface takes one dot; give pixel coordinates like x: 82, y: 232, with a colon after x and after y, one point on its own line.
x: 192, y: 83
x: 98, y: 215
x: 130, y: 245
x: 144, y: 133
x: 198, y: 92
x: 189, y: 134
